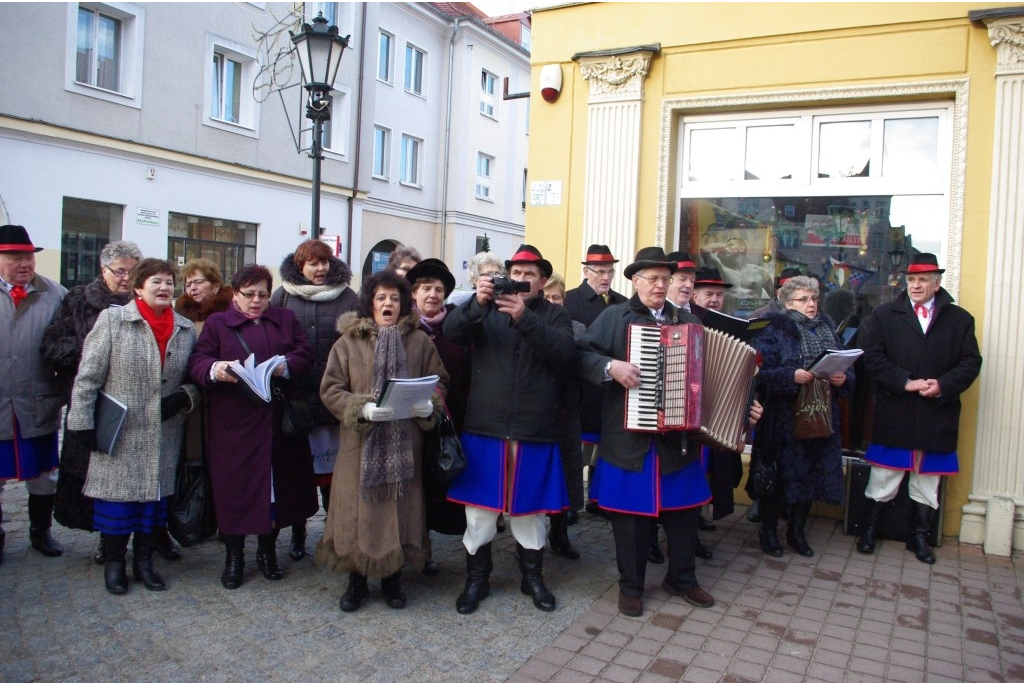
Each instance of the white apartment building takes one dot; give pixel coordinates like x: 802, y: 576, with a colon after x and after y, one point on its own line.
x: 160, y: 123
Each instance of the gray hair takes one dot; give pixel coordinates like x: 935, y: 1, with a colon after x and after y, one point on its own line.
x: 482, y: 259
x: 119, y: 249
x: 794, y: 284
x: 401, y: 253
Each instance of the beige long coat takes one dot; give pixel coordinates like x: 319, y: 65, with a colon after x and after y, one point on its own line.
x: 121, y: 356
x: 372, y: 538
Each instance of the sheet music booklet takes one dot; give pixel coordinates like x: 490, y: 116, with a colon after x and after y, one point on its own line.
x: 256, y: 377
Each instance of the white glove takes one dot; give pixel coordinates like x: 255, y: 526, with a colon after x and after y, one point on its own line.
x: 423, y: 409
x: 371, y: 412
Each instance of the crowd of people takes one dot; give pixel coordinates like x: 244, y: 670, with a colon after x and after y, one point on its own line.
x: 534, y: 378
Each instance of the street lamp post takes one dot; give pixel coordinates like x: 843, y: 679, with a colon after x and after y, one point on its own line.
x: 319, y: 49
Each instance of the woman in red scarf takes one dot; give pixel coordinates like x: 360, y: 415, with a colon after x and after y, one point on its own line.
x: 138, y: 354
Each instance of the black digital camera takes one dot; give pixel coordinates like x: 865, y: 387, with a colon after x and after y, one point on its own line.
x: 503, y: 285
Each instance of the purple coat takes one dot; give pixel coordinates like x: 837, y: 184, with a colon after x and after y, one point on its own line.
x: 244, y: 441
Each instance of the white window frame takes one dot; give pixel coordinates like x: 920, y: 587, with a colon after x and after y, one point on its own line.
x: 410, y: 170
x: 484, y: 176
x: 382, y: 157
x: 133, y: 28
x: 337, y: 129
x: 488, y: 94
x: 344, y: 14
x: 408, y: 80
x: 249, y: 109
x: 387, y: 64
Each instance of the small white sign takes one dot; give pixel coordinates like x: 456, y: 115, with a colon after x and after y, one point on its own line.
x: 147, y: 217
x: 545, y: 193
x: 334, y: 241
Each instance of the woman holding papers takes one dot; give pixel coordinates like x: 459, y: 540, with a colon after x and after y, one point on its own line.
x: 808, y: 469
x: 262, y: 480
x: 376, y: 522
x: 138, y: 355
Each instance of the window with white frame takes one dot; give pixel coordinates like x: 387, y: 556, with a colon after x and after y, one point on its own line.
x: 104, y: 51
x: 381, y: 151
x: 385, y: 57
x: 229, y: 102
x: 226, y: 85
x: 409, y: 172
x: 488, y: 90
x: 340, y: 14
x: 414, y: 64
x: 338, y: 127
x: 484, y: 171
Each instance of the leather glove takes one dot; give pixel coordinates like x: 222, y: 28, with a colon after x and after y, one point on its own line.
x: 86, y: 438
x: 173, y: 404
x: 371, y: 412
x: 423, y: 409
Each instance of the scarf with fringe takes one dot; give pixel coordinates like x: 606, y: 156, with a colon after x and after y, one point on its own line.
x: 386, y: 467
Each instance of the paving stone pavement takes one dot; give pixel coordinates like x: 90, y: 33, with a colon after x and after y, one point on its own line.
x: 839, y: 616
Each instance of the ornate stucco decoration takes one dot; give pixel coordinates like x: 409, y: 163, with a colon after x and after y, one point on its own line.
x: 616, y: 77
x: 1007, y: 37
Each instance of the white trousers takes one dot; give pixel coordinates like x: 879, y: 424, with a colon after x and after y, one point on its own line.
x: 884, y: 483
x: 482, y: 525
x: 43, y: 484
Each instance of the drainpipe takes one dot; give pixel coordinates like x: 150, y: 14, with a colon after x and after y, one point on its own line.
x: 447, y: 139
x: 359, y: 138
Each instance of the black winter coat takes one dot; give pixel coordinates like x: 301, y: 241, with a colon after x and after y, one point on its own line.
x: 896, y: 350
x: 319, y: 320
x: 516, y: 367
x: 604, y: 341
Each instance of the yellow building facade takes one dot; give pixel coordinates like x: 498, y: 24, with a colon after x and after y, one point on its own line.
x: 839, y: 138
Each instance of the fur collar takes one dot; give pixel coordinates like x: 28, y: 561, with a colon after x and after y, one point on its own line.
x: 220, y: 302
x: 352, y: 324
x: 99, y: 296
x: 339, y: 273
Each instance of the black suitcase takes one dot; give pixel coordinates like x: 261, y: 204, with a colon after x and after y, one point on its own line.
x: 894, y: 523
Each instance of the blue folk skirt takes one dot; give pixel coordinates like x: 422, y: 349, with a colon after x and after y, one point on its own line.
x: 649, y: 492
x: 931, y: 463
x: 28, y: 458
x: 123, y: 518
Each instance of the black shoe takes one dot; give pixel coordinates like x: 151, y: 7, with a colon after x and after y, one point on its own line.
x: 166, y: 547
x: 654, y: 554
x: 115, y: 576
x: 478, y: 570
x: 41, y: 540
x: 266, y: 556
x: 754, y: 512
x: 702, y: 551
x: 40, y: 517
x: 355, y: 593
x: 795, y: 530
x: 391, y: 589
x: 769, y: 539
x: 297, y: 550
x: 142, y: 562
x: 531, y: 564
x: 234, y: 561
x: 704, y: 524
x: 558, y: 538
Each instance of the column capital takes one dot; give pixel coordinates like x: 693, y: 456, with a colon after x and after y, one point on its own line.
x: 616, y: 77
x: 1007, y: 37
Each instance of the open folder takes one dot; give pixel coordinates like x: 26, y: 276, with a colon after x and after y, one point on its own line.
x: 834, y: 361
x: 401, y: 393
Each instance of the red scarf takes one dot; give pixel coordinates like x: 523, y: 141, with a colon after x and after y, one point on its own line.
x: 161, y: 324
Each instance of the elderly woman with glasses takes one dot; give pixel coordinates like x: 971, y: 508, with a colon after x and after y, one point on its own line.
x: 262, y: 479
x: 204, y: 292
x: 809, y: 469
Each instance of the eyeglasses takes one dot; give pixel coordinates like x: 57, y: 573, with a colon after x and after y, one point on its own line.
x: 805, y: 299
x: 491, y: 274
x: 196, y: 281
x: 655, y: 280
x: 120, y: 273
x: 254, y: 295
x: 601, y: 272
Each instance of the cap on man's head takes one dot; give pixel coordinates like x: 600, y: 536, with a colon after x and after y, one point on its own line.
x: 599, y: 254
x: 15, y: 239
x: 786, y: 274
x: 528, y: 254
x: 709, y: 276
x: 647, y: 258
x: 432, y: 268
x: 924, y: 263
x: 683, y: 260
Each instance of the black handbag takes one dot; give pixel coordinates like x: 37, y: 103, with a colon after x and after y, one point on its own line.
x: 296, y: 416
x: 190, y: 517
x: 443, y: 458
x: 763, y: 478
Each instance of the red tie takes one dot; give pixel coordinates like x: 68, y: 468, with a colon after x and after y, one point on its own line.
x: 921, y: 310
x: 18, y: 294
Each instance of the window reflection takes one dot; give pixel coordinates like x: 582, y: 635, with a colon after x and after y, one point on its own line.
x: 910, y: 148
x: 844, y: 149
x: 769, y: 153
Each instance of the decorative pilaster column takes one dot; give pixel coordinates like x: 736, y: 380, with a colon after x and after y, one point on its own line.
x: 611, y: 190
x: 994, y: 513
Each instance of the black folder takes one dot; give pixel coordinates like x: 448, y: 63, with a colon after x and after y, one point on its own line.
x: 109, y: 418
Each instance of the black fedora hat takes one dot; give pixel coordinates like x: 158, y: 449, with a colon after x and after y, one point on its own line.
x: 528, y: 254
x: 924, y: 263
x: 649, y: 257
x: 432, y: 268
x: 599, y: 254
x: 786, y: 274
x: 683, y: 260
x: 707, y: 275
x: 15, y: 239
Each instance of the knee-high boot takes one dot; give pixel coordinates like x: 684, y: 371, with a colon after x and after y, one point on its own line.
x: 297, y: 550
x: 558, y: 537
x: 920, y: 524
x: 142, y: 562
x: 266, y: 556
x: 795, y: 530
x: 478, y: 571
x: 768, y: 533
x: 869, y: 528
x: 40, y: 518
x: 234, y: 561
x: 115, y: 576
x: 531, y: 565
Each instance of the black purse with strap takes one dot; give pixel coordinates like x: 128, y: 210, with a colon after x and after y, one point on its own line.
x: 296, y: 416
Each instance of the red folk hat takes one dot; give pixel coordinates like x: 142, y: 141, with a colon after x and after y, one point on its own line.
x: 707, y: 275
x: 528, y: 254
x: 924, y: 263
x: 683, y: 260
x: 15, y: 239
x: 599, y: 254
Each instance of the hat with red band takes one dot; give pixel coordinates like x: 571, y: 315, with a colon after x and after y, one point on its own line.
x: 709, y: 276
x: 683, y: 260
x: 528, y: 254
x: 599, y: 254
x: 786, y: 274
x: 15, y: 239
x: 924, y: 263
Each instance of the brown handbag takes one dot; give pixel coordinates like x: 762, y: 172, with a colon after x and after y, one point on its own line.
x: 812, y: 410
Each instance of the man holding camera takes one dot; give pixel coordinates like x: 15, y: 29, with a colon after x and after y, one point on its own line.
x: 522, y: 344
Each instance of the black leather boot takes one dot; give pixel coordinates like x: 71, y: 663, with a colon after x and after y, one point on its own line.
x: 115, y: 575
x: 920, y: 524
x: 558, y: 537
x: 391, y: 589
x: 754, y: 512
x: 355, y: 593
x: 768, y: 534
x: 142, y: 561
x: 165, y: 545
x: 297, y: 550
x: 234, y: 561
x: 531, y: 565
x: 869, y: 529
x: 478, y: 570
x: 795, y: 530
x: 266, y: 556
x: 40, y: 518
